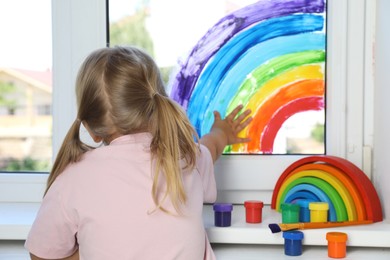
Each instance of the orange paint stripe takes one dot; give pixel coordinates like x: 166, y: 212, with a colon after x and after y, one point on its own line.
x: 264, y: 113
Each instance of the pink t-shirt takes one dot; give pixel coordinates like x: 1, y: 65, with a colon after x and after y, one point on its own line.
x: 102, y: 205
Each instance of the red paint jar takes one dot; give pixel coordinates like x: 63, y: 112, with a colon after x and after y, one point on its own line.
x: 254, y: 211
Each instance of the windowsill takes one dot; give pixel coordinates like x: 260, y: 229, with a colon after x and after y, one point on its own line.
x: 14, y: 250
x: 240, y: 232
x: 16, y: 220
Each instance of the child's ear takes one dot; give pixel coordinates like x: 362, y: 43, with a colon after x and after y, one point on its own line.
x: 96, y: 139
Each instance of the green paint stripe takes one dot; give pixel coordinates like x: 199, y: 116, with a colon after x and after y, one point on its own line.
x: 271, y: 69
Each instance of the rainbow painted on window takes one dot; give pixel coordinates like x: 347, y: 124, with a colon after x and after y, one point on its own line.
x: 269, y: 56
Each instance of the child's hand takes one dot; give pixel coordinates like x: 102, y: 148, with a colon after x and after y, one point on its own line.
x: 232, y: 125
x: 225, y: 131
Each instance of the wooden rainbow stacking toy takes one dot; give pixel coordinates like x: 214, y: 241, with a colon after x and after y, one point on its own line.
x: 349, y: 192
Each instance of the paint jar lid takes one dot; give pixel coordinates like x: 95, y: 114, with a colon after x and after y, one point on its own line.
x: 293, y: 235
x: 256, y: 204
x: 223, y: 207
x: 304, y: 203
x: 336, y: 237
x: 290, y: 206
x: 319, y: 206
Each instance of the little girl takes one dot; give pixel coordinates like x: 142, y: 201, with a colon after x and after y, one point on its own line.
x: 139, y: 196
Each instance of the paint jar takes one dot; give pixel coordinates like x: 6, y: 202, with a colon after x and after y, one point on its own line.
x: 290, y: 213
x: 319, y: 211
x: 304, y: 211
x: 253, y: 211
x: 337, y: 244
x: 293, y: 242
x: 222, y: 214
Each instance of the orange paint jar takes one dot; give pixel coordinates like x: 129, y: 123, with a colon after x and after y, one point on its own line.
x: 337, y: 244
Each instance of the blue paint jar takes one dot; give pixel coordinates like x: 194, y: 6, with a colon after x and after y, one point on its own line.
x: 293, y: 242
x: 304, y: 211
x: 222, y: 214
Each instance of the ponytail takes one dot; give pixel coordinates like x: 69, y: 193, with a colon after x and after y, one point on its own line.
x: 173, y: 141
x: 120, y: 91
x: 71, y: 150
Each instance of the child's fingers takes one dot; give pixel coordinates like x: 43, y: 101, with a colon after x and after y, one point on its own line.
x: 243, y: 115
x: 217, y: 116
x: 242, y: 140
x: 234, y: 113
x: 244, y: 124
x: 245, y: 140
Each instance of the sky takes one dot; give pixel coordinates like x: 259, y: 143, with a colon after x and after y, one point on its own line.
x: 175, y: 25
x: 25, y: 28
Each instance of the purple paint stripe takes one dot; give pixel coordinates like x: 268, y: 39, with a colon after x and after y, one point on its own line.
x: 227, y: 27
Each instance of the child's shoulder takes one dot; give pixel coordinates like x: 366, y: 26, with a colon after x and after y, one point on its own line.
x: 204, y: 156
x: 204, y: 151
x: 87, y: 160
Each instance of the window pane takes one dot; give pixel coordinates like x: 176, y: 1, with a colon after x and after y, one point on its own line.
x: 269, y: 56
x: 25, y: 85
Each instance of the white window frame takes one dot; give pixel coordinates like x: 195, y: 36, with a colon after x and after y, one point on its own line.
x: 79, y: 26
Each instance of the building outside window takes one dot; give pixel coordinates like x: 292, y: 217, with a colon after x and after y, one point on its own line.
x: 25, y: 86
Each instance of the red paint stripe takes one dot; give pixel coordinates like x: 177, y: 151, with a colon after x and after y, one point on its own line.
x: 289, y: 93
x: 290, y: 109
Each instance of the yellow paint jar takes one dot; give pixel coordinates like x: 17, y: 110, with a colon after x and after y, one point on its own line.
x: 318, y: 211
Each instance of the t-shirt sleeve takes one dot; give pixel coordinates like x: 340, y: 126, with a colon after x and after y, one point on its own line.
x: 205, y: 167
x: 53, y: 233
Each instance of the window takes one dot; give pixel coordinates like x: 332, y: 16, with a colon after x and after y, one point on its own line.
x: 25, y: 86
x: 170, y: 35
x: 253, y: 53
x: 79, y: 26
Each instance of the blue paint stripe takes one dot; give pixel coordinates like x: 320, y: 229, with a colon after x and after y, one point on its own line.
x: 229, y: 85
x: 230, y: 53
x: 184, y: 82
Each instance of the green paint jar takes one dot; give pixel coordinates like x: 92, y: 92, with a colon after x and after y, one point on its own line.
x: 290, y: 212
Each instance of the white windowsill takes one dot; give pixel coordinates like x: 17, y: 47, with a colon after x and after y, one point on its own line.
x: 16, y: 220
x: 14, y: 250
x: 239, y: 241
x: 240, y: 232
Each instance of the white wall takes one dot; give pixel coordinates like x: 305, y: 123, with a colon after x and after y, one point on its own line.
x: 381, y: 177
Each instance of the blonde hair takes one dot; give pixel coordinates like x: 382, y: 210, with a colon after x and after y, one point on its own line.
x: 120, y: 91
